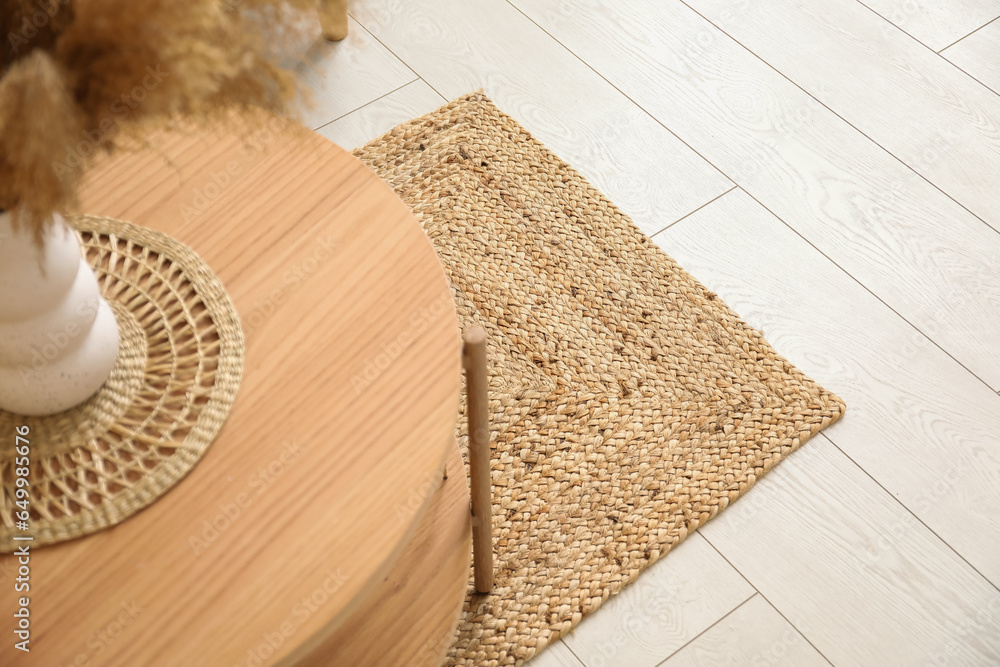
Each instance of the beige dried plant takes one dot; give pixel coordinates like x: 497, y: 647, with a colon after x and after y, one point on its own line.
x: 93, y: 71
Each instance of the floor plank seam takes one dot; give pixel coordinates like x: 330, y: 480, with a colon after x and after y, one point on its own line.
x: 764, y: 597
x: 621, y: 92
x: 729, y: 613
x: 570, y: 649
x: 977, y: 80
x: 941, y: 52
x: 864, y: 287
x: 396, y: 56
x: 366, y: 104
x: 911, y: 513
x: 895, y: 25
x: 849, y: 124
x: 690, y: 213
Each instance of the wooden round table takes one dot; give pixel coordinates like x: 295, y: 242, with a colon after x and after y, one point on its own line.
x: 354, y: 546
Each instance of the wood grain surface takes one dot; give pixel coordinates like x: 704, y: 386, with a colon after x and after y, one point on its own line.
x: 934, y: 423
x: 338, y: 437
x: 906, y: 98
x: 390, y: 630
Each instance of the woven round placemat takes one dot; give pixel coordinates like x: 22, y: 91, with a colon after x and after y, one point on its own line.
x: 179, y: 366
x: 629, y: 404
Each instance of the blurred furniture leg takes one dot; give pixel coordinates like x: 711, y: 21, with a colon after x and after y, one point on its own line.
x: 479, y: 458
x: 333, y: 19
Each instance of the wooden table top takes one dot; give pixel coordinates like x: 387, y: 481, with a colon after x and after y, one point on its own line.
x: 342, y: 424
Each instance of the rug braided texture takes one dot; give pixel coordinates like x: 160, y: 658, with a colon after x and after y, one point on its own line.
x: 629, y: 403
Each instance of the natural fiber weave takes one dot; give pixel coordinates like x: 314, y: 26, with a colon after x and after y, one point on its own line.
x: 179, y: 366
x: 629, y: 404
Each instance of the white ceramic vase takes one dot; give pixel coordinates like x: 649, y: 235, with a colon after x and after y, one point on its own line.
x: 58, y: 336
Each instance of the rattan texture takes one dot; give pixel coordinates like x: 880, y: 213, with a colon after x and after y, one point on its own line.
x: 179, y: 367
x: 629, y: 403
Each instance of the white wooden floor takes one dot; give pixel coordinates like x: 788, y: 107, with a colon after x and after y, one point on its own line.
x: 832, y: 170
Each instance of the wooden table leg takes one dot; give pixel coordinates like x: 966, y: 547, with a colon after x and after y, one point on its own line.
x: 480, y: 481
x: 333, y: 19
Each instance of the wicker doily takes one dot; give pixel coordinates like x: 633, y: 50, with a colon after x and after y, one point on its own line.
x: 179, y: 366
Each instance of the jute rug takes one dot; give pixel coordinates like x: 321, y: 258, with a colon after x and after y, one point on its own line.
x: 629, y: 403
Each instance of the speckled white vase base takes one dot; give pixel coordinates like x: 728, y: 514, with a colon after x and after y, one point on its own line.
x: 58, y: 337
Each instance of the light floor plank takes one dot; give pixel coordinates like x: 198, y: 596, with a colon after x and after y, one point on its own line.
x: 936, y: 23
x: 803, y: 538
x: 752, y: 635
x: 671, y: 603
x: 979, y: 55
x: 557, y: 655
x: 348, y: 74
x: 912, y: 102
x: 918, y: 250
x: 459, y: 46
x: 916, y: 421
x: 374, y: 119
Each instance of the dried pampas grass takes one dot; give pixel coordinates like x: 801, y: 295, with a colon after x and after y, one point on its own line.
x: 90, y: 71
